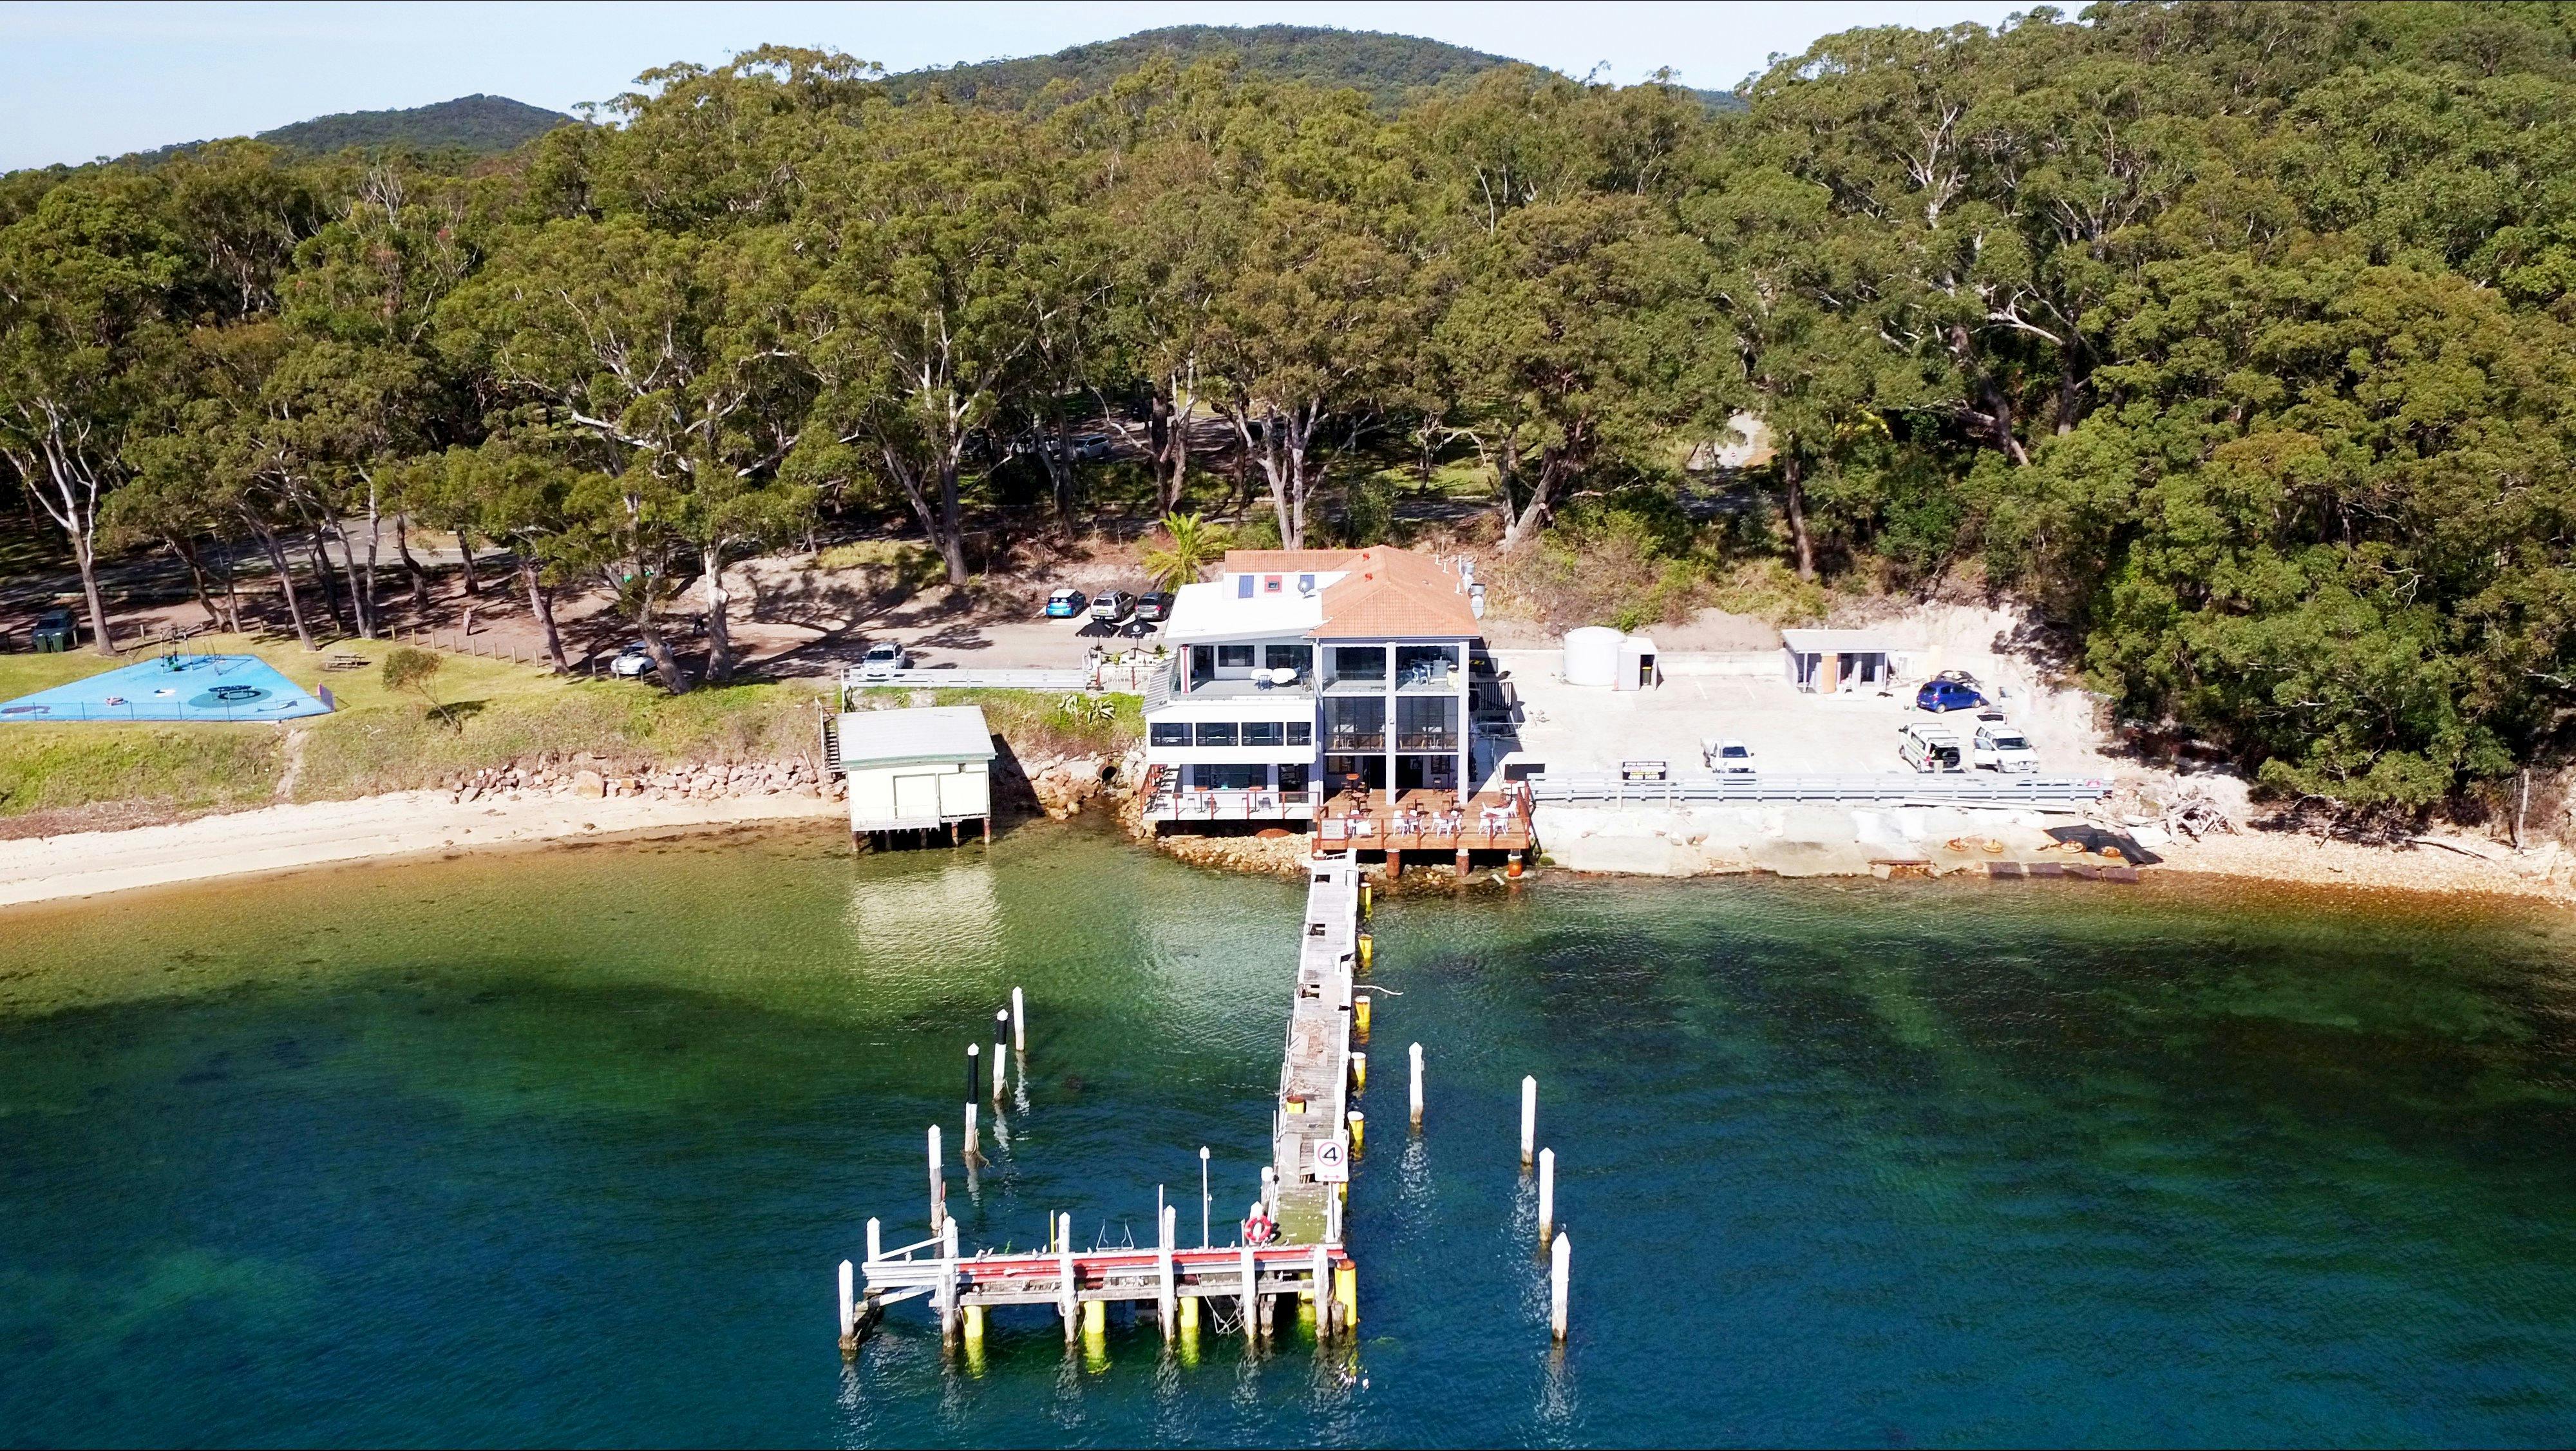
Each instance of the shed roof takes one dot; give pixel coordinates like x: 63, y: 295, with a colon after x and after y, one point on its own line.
x: 1843, y: 642
x: 929, y: 733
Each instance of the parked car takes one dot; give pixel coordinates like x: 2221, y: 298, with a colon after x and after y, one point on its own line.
x: 1154, y: 605
x: 883, y: 660
x: 1112, y: 605
x: 2001, y: 746
x: 1066, y: 603
x: 1091, y: 448
x: 55, y: 632
x: 1727, y: 757
x: 632, y: 663
x: 1929, y: 748
x: 1947, y: 695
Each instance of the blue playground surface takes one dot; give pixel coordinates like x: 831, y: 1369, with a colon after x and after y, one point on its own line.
x: 172, y: 687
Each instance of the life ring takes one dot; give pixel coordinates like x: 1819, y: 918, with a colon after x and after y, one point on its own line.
x: 1259, y: 1230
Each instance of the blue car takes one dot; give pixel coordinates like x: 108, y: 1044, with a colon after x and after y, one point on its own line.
x: 1947, y: 695
x: 1064, y: 604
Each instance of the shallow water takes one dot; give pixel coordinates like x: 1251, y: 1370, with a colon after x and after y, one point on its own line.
x: 562, y: 1147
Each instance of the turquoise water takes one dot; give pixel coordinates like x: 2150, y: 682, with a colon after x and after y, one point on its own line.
x: 171, y: 687
x: 562, y: 1148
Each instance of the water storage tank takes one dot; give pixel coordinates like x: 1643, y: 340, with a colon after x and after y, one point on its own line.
x: 1592, y: 656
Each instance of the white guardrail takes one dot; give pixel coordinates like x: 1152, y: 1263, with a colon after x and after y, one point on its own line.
x: 1126, y: 680
x: 1609, y: 789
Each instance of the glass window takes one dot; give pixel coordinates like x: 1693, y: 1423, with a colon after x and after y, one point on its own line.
x: 1301, y: 733
x: 1234, y: 778
x: 1261, y: 732
x: 1243, y: 586
x: 1169, y: 733
x: 1360, y: 662
x: 1283, y: 657
x: 1229, y: 656
x: 1305, y: 584
x: 1216, y: 733
x: 1293, y: 778
x: 1270, y: 584
x: 1426, y: 664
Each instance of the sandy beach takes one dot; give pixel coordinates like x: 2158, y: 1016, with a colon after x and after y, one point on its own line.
x: 282, y: 838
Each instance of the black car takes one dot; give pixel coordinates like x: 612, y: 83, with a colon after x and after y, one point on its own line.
x: 1154, y: 605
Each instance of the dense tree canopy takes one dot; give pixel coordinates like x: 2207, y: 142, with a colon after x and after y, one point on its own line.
x: 2233, y: 337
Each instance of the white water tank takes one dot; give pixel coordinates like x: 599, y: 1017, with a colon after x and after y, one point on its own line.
x: 1592, y: 656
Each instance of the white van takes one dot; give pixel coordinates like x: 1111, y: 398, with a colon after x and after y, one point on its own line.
x: 1929, y: 748
x: 2000, y: 745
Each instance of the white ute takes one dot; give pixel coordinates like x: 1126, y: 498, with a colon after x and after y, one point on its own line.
x: 2000, y: 745
x: 1728, y: 757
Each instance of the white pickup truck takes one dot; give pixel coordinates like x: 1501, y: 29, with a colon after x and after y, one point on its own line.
x: 2000, y: 746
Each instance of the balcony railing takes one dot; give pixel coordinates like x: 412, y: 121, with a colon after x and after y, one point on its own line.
x: 1346, y: 742
x: 1427, y: 741
x: 1200, y: 803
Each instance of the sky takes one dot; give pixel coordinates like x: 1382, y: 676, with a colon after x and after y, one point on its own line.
x: 102, y: 79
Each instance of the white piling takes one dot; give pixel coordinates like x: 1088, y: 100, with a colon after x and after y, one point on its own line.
x: 1001, y: 1035
x: 849, y: 1301
x: 1560, y: 1257
x: 1529, y: 1118
x: 1546, y: 1192
x: 1323, y: 1273
x: 974, y: 1138
x: 1066, y: 1295
x: 876, y: 1241
x: 1415, y: 1052
x: 1019, y: 1021
x: 938, y: 1190
x: 1251, y: 1294
x: 947, y: 1279
x: 1168, y: 1303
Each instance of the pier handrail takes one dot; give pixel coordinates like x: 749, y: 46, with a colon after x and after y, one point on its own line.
x: 1595, y: 788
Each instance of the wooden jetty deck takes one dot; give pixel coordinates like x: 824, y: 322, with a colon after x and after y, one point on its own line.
x: 1311, y: 1149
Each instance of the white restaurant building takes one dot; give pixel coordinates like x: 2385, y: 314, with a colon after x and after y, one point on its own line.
x: 1296, y: 674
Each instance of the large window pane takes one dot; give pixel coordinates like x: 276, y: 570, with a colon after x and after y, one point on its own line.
x: 1233, y: 657
x: 1359, y: 662
x: 1169, y: 733
x: 1261, y: 732
x: 1284, y: 657
x: 1216, y: 733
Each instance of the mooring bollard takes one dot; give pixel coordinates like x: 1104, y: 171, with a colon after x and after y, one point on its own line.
x: 1415, y: 1053
x: 1546, y: 1193
x: 947, y: 1281
x: 1560, y: 1257
x: 1359, y: 1130
x: 849, y: 1305
x: 1167, y: 1303
x: 1359, y: 1070
x: 1529, y: 1118
x: 875, y: 1241
x: 1360, y: 1015
x: 974, y: 1142
x: 1019, y: 1022
x: 974, y: 1071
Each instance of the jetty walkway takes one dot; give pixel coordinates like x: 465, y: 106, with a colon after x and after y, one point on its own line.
x: 1314, y: 1135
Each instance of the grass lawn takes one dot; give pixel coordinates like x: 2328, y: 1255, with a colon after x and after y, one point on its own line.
x: 490, y: 712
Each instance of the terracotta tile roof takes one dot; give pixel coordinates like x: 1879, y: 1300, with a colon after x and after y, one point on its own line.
x: 1285, y: 561
x: 1392, y: 594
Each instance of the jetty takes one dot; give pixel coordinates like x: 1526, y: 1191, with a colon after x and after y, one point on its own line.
x: 1242, y: 1288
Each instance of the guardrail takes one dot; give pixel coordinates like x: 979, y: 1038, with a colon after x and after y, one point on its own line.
x: 1607, y: 789
x: 1121, y: 679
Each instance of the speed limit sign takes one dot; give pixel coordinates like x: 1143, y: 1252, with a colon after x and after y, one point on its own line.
x: 1332, y: 1162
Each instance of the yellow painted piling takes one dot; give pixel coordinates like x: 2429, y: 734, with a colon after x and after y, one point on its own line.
x: 1368, y: 950
x: 1359, y: 1070
x: 974, y: 1325
x: 1359, y: 1130
x: 1190, y: 1315
x: 1095, y: 1317
x: 1364, y: 898
x: 1346, y: 1292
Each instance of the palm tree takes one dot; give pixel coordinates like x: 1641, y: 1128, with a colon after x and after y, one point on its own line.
x: 1195, y: 544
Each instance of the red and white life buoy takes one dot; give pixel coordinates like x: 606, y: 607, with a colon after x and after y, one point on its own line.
x: 1258, y: 1229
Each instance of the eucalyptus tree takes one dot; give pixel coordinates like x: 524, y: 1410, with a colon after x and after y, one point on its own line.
x: 90, y: 281
x: 935, y: 226
x: 676, y: 355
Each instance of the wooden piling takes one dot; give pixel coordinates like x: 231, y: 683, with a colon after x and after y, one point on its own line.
x: 1019, y: 1023
x: 1251, y: 1297
x: 1167, y: 1304
x: 1323, y: 1273
x: 849, y: 1309
x: 1529, y: 1118
x: 1415, y: 1053
x: 1560, y: 1265
x: 1359, y: 1129
x: 1359, y: 1070
x: 1546, y: 1193
x: 948, y: 1282
x: 876, y: 1250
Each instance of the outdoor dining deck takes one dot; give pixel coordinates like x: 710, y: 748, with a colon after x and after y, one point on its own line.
x: 1425, y: 821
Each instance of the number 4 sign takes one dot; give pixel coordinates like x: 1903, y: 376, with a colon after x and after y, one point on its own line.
x: 1332, y: 1162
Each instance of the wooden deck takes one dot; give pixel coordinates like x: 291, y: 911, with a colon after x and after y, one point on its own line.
x: 1424, y: 821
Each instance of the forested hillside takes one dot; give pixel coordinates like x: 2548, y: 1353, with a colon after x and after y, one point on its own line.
x: 1387, y: 67
x: 2236, y: 338
x: 480, y: 124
